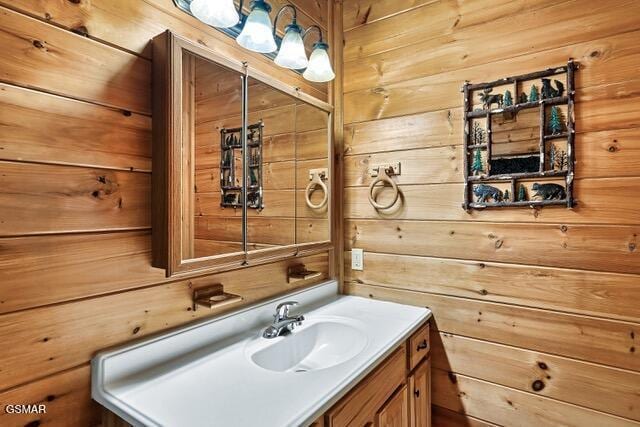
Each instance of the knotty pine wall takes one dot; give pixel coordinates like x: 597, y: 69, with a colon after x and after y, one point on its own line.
x: 75, y: 166
x: 537, y: 312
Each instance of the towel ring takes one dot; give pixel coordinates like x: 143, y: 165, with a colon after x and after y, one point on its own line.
x: 383, y: 177
x: 316, y: 181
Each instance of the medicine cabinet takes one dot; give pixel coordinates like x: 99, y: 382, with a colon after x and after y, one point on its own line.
x: 242, y: 163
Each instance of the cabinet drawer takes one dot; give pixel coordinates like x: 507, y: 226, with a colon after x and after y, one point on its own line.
x: 360, y: 406
x: 419, y: 346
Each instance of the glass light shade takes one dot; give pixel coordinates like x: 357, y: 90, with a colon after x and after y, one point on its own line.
x: 257, y: 32
x: 292, y: 53
x: 319, y: 68
x: 218, y: 13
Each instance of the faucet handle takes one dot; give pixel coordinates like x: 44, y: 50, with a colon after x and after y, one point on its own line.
x: 283, y: 308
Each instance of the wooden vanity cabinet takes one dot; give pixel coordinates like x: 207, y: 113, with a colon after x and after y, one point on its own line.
x: 396, y: 394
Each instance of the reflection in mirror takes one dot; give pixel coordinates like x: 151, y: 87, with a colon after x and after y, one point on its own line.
x: 273, y: 166
x: 212, y: 106
x: 313, y: 182
x: 516, y: 142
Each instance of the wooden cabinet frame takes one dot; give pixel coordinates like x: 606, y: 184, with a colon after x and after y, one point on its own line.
x: 172, y: 166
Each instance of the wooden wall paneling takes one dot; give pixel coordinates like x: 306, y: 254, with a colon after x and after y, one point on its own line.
x: 38, y: 127
x: 602, y: 248
x: 445, y: 18
x: 597, y: 203
x: 510, y: 406
x: 129, y: 26
x: 420, y: 166
x: 75, y: 154
x: 337, y: 134
x: 67, y: 396
x: 422, y: 130
x: 360, y: 12
x: 604, y: 61
x: 38, y: 199
x: 508, y: 288
x: 46, y: 340
x: 432, y: 55
x: 71, y: 264
x: 445, y: 417
x: 42, y: 56
x: 605, y: 153
x: 576, y: 291
x: 604, y: 341
x: 548, y: 375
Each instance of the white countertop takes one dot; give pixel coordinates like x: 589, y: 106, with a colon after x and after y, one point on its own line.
x: 203, y: 375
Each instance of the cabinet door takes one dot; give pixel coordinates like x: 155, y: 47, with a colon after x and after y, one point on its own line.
x: 395, y: 413
x: 360, y: 406
x: 420, y: 395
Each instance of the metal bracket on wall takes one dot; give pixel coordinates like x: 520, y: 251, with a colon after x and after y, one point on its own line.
x: 391, y: 169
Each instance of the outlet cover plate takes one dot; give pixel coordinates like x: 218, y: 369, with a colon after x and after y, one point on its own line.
x: 357, y: 259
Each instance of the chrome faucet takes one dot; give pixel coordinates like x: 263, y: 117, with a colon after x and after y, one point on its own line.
x: 282, y: 323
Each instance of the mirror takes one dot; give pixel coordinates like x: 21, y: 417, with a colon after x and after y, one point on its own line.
x: 294, y: 154
x: 272, y: 224
x: 214, y: 110
x: 241, y: 163
x: 313, y: 178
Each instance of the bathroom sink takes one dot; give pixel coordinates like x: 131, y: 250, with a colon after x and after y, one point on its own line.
x: 177, y: 378
x: 317, y: 344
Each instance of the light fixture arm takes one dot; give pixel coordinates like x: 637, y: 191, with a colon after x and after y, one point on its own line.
x: 313, y: 27
x: 240, y: 6
x: 282, y: 9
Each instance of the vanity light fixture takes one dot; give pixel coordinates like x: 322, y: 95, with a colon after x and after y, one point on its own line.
x: 257, y: 32
x: 217, y: 13
x: 292, y: 53
x: 319, y: 68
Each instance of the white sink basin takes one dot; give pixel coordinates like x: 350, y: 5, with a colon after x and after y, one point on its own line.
x: 317, y: 344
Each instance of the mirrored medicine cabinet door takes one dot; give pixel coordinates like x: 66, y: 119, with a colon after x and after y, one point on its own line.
x: 241, y: 163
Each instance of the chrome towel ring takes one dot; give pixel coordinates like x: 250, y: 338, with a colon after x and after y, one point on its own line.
x: 384, y: 174
x: 317, y: 177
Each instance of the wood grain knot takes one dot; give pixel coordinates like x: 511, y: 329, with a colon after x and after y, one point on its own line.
x: 81, y: 30
x: 38, y: 44
x: 498, y: 244
x: 537, y: 385
x: 542, y: 365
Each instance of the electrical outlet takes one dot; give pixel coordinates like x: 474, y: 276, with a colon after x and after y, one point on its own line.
x: 357, y: 259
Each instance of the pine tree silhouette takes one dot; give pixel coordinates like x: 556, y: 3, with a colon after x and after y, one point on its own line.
x: 508, y: 100
x: 477, y: 162
x: 534, y: 96
x: 555, y: 121
x: 522, y: 194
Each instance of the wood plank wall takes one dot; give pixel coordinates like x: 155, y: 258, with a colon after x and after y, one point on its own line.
x: 75, y: 164
x: 536, y: 311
